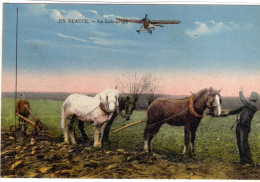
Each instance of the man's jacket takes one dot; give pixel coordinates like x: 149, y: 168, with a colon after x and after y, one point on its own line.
x: 20, y: 108
x: 246, y: 112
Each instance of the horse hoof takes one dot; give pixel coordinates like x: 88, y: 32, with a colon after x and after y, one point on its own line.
x: 89, y: 144
x: 64, y: 143
x: 148, y: 154
x: 97, y: 146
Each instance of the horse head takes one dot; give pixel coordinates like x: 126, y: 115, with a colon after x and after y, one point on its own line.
x: 214, y: 102
x: 208, y: 98
x: 128, y: 104
x: 109, y: 100
x: 130, y: 107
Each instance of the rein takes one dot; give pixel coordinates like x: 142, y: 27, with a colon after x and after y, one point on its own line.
x: 201, y: 128
x: 190, y: 109
x: 169, y: 118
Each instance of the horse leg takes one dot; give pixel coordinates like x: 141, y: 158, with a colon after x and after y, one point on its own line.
x: 105, y: 137
x: 101, y: 135
x: 72, y: 136
x: 193, y: 130
x: 66, y: 134
x: 97, y: 135
x: 186, y: 138
x: 149, y: 134
x: 82, y: 131
x: 72, y: 129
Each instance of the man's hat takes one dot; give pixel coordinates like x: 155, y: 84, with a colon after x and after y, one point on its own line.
x: 254, y: 96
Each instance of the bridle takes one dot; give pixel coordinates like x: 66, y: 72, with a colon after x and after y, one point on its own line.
x: 104, y: 106
x: 210, y: 106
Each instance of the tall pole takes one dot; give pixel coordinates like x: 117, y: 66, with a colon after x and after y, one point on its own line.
x: 16, y: 52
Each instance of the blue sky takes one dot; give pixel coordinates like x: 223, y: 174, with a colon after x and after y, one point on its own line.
x: 227, y: 41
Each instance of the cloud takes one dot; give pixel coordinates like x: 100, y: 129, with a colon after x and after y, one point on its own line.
x: 37, y: 10
x: 101, y: 41
x: 92, y: 11
x: 212, y: 21
x: 211, y: 28
x: 104, y: 42
x: 55, y: 14
x: 97, y: 41
x: 101, y: 34
x: 107, y: 16
x: 71, y: 37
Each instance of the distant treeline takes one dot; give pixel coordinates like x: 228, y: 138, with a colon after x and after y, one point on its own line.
x: 142, y: 103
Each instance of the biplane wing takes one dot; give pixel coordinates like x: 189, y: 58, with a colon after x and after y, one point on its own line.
x: 129, y: 20
x: 165, y: 21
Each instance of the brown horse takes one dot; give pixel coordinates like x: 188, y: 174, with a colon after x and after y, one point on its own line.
x: 186, y: 112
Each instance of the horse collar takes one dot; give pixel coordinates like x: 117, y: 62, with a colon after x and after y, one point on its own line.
x: 101, y: 105
x: 191, y: 108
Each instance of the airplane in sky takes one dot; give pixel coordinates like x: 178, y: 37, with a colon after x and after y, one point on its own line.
x: 148, y: 25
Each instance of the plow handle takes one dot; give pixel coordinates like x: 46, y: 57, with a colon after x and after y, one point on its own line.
x: 28, y: 121
x: 31, y: 113
x: 38, y: 122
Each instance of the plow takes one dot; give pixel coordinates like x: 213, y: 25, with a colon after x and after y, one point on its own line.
x: 37, y: 124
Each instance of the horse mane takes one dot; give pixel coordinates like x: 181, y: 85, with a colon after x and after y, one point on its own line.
x: 102, y: 95
x: 185, y: 98
x: 198, y: 94
x: 201, y: 92
x: 104, y: 91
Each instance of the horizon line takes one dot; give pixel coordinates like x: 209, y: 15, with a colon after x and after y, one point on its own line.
x: 98, y: 92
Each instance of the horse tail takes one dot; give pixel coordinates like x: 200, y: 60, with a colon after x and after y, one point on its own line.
x: 63, y: 118
x: 64, y: 124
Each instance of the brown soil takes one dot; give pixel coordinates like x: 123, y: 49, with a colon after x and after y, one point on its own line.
x: 46, y: 157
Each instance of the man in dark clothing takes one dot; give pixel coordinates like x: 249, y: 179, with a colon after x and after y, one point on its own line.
x: 21, y: 109
x: 243, y: 127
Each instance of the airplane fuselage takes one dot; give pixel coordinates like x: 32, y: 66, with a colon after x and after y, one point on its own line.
x: 146, y: 24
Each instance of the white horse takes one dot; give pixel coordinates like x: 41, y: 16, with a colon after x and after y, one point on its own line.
x: 98, y: 109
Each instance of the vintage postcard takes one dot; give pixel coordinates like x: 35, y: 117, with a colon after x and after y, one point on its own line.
x: 130, y: 90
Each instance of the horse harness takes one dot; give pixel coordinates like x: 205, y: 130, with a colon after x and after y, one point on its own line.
x: 191, y: 108
x: 103, y: 108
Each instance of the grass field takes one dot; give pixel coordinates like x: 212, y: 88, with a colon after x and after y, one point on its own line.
x: 214, y: 139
